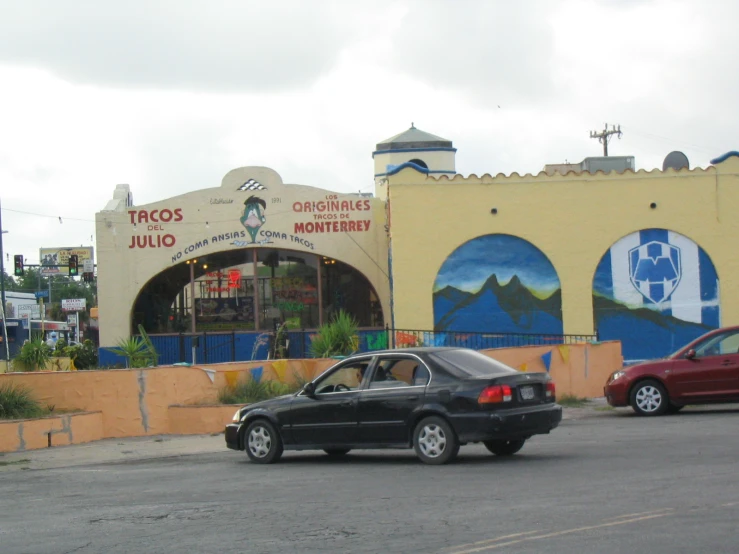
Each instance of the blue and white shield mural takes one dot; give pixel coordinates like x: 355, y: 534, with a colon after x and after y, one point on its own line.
x: 655, y: 270
x: 499, y: 284
x: 655, y: 290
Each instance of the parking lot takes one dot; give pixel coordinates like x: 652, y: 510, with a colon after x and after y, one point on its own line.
x: 605, y: 481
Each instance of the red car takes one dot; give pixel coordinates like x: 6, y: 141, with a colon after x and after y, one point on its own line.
x: 706, y: 371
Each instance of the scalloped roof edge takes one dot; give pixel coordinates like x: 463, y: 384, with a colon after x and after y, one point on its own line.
x: 543, y: 176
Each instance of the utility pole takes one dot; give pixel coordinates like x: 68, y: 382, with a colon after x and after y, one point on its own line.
x: 4, y: 331
x: 605, y: 135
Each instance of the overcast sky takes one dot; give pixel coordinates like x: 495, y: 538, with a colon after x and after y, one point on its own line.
x: 168, y: 96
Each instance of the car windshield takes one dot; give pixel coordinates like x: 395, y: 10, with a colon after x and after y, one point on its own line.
x: 469, y: 363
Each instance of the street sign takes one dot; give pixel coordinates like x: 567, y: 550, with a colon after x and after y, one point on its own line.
x: 72, y: 320
x: 42, y: 294
x: 88, y: 266
x: 74, y: 304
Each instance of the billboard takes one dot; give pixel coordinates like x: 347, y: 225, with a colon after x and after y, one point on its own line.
x: 60, y: 256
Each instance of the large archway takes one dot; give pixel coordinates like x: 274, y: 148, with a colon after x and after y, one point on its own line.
x: 655, y: 290
x: 498, y: 283
x: 254, y: 289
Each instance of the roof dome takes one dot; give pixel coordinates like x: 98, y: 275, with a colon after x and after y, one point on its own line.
x: 413, y: 139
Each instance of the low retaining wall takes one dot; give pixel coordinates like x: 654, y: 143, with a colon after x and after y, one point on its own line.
x: 182, y: 399
x: 200, y: 420
x: 576, y: 369
x: 61, y: 430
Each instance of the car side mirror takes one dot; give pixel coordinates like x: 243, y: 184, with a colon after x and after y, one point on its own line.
x: 309, y: 389
x: 690, y: 354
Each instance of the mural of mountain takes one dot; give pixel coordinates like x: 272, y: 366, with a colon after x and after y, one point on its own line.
x: 644, y: 333
x: 509, y: 308
x: 446, y: 299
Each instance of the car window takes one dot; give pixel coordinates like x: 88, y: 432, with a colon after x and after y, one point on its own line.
x: 727, y: 343
x: 394, y: 372
x: 346, y: 377
x: 469, y: 363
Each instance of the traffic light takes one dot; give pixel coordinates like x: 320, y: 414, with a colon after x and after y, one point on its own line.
x: 88, y: 277
x: 73, y: 265
x: 18, y: 265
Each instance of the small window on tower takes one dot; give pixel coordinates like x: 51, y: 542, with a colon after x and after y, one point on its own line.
x: 420, y: 163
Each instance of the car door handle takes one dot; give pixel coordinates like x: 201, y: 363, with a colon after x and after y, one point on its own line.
x: 727, y: 362
x: 346, y: 403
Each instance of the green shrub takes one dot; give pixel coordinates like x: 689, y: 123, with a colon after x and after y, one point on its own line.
x: 34, y: 354
x: 336, y: 338
x: 17, y: 402
x: 84, y: 356
x: 250, y: 391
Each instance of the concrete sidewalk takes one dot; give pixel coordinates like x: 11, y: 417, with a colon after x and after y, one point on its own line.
x: 163, y: 446
x: 113, y: 450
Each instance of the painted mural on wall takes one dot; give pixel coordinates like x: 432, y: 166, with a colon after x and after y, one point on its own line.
x: 498, y: 283
x: 655, y: 290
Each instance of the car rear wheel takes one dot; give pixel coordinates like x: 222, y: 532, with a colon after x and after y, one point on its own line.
x: 262, y: 442
x: 649, y: 398
x: 504, y: 448
x: 336, y: 452
x: 434, y: 441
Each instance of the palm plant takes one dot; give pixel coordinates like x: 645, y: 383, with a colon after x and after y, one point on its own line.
x: 35, y: 354
x: 336, y: 338
x: 138, y: 351
x: 134, y: 350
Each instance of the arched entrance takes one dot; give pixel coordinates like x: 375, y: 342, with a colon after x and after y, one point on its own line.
x: 254, y: 289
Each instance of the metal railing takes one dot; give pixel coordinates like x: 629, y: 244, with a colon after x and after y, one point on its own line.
x: 217, y: 347
x: 405, y: 338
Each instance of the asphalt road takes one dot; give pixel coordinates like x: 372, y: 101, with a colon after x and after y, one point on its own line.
x: 605, y: 482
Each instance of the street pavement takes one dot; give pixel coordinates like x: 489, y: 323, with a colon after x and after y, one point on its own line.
x: 605, y: 481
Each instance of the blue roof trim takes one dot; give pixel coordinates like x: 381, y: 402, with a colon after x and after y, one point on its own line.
x: 397, y: 168
x: 436, y: 149
x: 725, y: 157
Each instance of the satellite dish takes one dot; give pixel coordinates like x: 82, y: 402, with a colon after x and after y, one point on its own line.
x: 675, y: 160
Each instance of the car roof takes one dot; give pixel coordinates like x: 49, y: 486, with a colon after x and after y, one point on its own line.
x: 410, y: 350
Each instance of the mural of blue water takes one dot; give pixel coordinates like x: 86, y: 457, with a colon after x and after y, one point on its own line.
x: 655, y: 290
x: 497, y: 283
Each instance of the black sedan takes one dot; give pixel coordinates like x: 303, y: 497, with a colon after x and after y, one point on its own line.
x: 431, y: 399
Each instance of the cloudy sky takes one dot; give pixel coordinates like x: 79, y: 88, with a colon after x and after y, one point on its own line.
x: 169, y: 95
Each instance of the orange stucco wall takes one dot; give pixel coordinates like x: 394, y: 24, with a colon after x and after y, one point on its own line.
x: 199, y: 420
x: 577, y: 369
x: 32, y: 434
x: 136, y: 402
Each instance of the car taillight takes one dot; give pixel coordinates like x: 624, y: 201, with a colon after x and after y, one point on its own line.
x: 495, y: 394
x: 550, y: 390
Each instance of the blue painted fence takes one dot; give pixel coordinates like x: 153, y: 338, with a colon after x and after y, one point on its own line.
x: 244, y: 346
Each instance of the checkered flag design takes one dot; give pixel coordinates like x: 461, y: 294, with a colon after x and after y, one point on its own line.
x: 252, y: 184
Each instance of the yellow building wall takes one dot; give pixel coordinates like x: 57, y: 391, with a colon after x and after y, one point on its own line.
x: 572, y: 219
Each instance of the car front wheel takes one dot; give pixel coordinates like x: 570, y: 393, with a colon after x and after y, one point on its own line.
x: 504, y: 448
x: 262, y: 442
x: 434, y: 441
x: 649, y: 398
